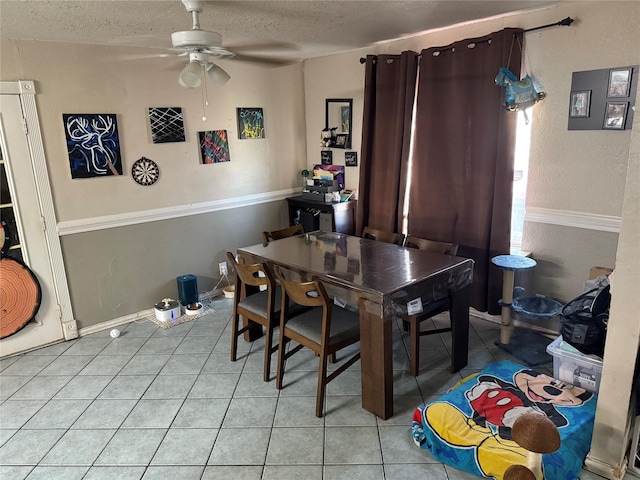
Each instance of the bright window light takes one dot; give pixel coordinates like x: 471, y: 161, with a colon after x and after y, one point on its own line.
x: 520, y: 171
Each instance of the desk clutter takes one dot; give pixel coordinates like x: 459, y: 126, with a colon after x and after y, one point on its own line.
x: 326, y: 184
x: 322, y: 190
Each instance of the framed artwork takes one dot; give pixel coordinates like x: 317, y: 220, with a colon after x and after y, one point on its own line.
x: 351, y: 159
x: 580, y: 103
x: 250, y: 123
x: 167, y: 124
x: 619, y: 82
x: 214, y: 146
x: 341, y: 139
x: 614, y: 115
x: 326, y: 157
x: 93, y: 144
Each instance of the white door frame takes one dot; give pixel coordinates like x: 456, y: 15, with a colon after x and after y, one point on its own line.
x: 27, y: 91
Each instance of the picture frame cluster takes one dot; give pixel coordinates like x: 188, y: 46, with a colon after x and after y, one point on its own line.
x: 585, y: 103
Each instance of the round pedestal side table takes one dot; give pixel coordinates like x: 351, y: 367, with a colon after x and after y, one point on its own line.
x: 509, y: 264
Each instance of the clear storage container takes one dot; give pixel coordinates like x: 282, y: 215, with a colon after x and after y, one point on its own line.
x: 572, y: 366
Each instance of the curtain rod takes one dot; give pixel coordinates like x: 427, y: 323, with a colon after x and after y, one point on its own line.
x: 565, y: 22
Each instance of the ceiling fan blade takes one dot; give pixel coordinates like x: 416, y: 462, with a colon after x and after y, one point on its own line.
x: 261, y: 60
x: 264, y: 47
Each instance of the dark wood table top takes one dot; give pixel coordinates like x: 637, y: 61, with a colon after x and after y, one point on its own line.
x: 377, y: 268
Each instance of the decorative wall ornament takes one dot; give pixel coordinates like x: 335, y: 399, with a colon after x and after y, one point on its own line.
x: 145, y: 172
x: 351, y: 159
x: 214, y: 146
x: 167, y: 124
x: 93, y: 144
x: 250, y: 123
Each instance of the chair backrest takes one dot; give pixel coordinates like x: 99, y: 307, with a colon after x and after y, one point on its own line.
x: 250, y: 274
x: 431, y: 245
x: 383, y: 236
x: 308, y: 294
x: 282, y: 233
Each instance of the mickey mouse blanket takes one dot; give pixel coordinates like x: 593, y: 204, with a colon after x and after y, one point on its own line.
x: 469, y: 427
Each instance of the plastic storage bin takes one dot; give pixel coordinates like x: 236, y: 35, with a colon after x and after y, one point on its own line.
x: 575, y: 368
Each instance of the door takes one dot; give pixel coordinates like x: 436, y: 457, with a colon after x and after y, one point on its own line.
x: 20, y: 210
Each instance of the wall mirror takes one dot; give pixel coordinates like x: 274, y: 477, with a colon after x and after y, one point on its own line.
x: 338, y: 120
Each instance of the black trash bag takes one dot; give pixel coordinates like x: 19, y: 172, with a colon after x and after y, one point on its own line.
x: 583, y: 321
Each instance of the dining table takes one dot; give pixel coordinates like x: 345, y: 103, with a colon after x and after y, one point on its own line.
x: 382, y: 281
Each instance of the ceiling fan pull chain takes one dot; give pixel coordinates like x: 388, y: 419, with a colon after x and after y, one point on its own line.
x: 205, y: 96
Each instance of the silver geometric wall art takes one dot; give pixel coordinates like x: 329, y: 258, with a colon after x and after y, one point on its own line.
x: 167, y: 124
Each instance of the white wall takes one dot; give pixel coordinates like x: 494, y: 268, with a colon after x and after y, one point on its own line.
x: 100, y: 79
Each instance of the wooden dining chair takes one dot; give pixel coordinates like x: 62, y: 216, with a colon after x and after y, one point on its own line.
x: 262, y: 307
x: 383, y: 235
x: 325, y: 328
x: 282, y: 233
x: 430, y: 309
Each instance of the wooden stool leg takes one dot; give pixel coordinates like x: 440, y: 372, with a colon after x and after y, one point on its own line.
x: 414, y: 327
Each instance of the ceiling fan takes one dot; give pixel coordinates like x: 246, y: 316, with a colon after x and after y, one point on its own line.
x: 200, y: 45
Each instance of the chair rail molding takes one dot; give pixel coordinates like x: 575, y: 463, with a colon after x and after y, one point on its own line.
x: 83, y: 225
x: 568, y: 218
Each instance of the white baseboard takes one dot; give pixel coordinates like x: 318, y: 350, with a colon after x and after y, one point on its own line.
x: 605, y: 470
x: 134, y: 317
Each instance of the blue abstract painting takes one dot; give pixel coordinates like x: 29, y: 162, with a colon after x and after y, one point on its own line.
x: 93, y: 144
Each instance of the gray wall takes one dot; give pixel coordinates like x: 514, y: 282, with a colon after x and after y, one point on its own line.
x: 118, y: 271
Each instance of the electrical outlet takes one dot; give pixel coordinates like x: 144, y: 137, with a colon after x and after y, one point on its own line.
x: 223, y: 268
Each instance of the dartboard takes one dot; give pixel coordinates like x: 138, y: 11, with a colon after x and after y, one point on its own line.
x: 145, y: 171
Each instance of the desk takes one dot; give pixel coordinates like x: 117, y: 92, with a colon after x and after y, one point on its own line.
x: 341, y: 215
x: 381, y: 278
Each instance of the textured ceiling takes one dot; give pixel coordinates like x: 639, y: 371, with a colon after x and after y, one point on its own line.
x: 287, y: 31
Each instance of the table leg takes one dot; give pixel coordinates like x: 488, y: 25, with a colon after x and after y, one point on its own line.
x: 376, y: 360
x: 507, y: 298
x: 459, y: 312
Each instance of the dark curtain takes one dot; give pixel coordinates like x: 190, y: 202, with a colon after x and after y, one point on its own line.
x: 386, y: 128
x: 462, y: 169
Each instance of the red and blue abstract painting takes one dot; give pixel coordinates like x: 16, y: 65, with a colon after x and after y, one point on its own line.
x: 214, y: 146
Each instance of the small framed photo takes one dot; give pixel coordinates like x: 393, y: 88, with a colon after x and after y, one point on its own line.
x: 619, y: 82
x: 351, y: 159
x: 615, y: 114
x: 341, y: 140
x: 580, y: 103
x: 326, y: 157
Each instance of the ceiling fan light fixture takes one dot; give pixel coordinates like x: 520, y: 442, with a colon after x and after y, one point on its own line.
x: 191, y: 75
x: 217, y: 75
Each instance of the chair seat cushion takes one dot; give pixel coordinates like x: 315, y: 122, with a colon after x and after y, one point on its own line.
x: 345, y: 324
x: 257, y: 304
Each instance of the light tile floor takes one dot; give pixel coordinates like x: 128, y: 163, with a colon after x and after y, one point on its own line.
x: 168, y: 404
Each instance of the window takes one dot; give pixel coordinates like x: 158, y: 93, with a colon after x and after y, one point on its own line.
x: 520, y: 170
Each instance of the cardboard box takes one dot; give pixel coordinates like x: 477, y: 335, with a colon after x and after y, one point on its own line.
x: 595, y: 272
